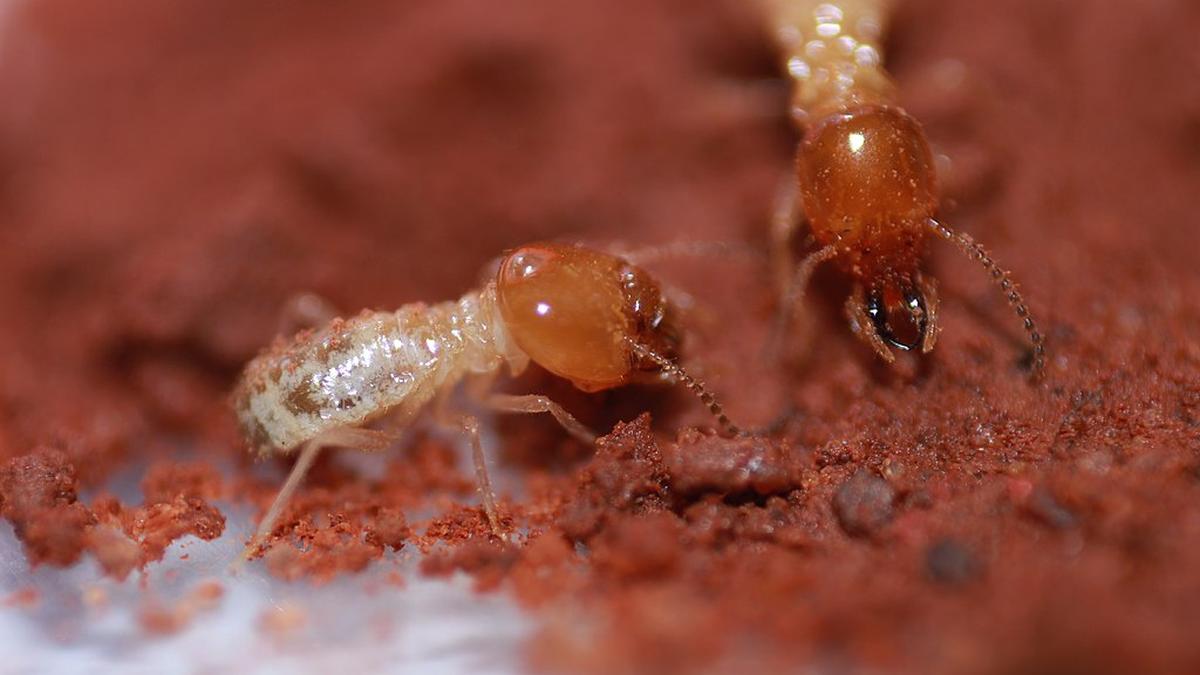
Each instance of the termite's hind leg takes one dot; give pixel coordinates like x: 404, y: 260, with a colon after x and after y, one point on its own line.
x: 305, y: 310
x: 483, y: 479
x: 863, y: 327
x: 469, y: 425
x: 360, y: 439
x: 534, y: 403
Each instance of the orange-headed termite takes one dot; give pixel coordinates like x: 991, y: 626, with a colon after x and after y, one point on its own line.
x: 590, y: 317
x: 865, y: 181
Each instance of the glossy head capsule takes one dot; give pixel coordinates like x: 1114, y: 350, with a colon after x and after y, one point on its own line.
x: 578, y: 313
x: 867, y: 183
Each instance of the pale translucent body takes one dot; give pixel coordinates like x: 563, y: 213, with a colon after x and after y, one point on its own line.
x: 832, y: 51
x: 352, y: 371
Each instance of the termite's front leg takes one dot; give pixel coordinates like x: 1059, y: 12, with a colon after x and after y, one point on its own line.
x: 479, y: 389
x: 535, y: 403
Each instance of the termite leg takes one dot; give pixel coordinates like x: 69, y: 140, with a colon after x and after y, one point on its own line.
x: 863, y: 327
x: 530, y: 403
x: 1002, y: 279
x: 469, y: 425
x: 533, y: 403
x: 478, y: 389
x: 483, y: 479
x: 725, y: 250
x: 793, y: 294
x: 676, y: 371
x: 785, y: 218
x: 347, y: 437
x: 305, y: 310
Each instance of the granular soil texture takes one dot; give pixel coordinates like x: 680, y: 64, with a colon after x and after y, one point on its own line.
x: 171, y: 174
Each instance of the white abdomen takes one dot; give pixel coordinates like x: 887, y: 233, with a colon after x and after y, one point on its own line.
x: 833, y: 53
x: 354, y: 370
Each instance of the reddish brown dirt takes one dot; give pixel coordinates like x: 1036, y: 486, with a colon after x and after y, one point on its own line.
x: 170, y: 174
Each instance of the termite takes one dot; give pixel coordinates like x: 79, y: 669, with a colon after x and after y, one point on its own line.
x: 865, y: 180
x: 590, y: 317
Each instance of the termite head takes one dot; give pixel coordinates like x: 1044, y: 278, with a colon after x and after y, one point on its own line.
x: 866, y: 177
x: 869, y: 189
x: 579, y: 313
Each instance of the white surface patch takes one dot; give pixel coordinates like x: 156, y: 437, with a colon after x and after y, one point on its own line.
x: 356, y: 623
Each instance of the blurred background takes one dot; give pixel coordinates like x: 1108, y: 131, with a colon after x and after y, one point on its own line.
x: 172, y: 173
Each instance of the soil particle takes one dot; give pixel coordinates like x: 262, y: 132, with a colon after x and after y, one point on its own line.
x: 864, y: 503
x: 389, y: 528
x: 164, y: 481
x: 627, y: 475
x: 714, y: 522
x: 117, y: 554
x: 23, y: 598
x: 1046, y: 508
x: 159, y: 619
x: 950, y: 562
x: 41, y: 479
x: 156, y: 526
x: 321, y: 553
x: 283, y: 620
x: 488, y: 562
x: 645, y: 547
x: 38, y: 497
x: 547, y: 569
x: 55, y: 537
x: 705, y: 463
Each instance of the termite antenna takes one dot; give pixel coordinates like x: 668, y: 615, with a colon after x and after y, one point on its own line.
x: 706, y: 397
x: 719, y: 250
x: 1002, y: 279
x: 308, y: 455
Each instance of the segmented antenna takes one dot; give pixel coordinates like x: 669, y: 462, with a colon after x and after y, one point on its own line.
x: 696, y: 387
x: 1002, y: 279
x: 720, y: 250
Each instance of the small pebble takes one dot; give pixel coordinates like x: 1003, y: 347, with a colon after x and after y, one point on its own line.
x: 949, y: 562
x: 1044, y: 506
x: 863, y: 504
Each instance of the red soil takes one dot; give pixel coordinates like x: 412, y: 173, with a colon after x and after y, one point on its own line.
x: 170, y: 174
